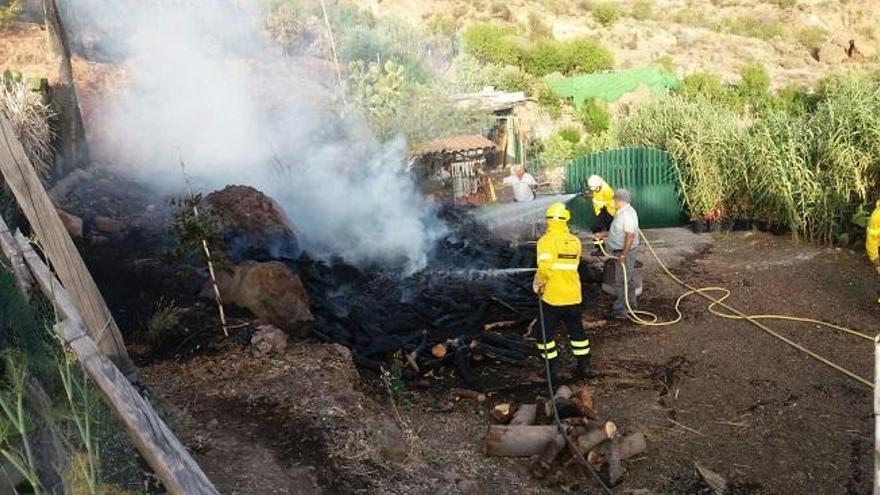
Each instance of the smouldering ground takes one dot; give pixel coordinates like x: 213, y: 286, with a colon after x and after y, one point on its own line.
x: 716, y: 392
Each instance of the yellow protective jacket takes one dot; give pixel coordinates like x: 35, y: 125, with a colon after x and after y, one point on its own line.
x: 604, y: 199
x: 872, y: 234
x: 559, y: 254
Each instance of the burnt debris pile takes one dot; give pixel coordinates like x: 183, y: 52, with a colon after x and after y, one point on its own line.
x: 473, y: 301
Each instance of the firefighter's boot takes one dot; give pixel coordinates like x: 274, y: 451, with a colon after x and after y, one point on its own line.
x: 585, y: 367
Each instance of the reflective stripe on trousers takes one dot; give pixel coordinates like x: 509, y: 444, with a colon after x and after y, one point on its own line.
x: 549, y: 350
x: 580, y: 347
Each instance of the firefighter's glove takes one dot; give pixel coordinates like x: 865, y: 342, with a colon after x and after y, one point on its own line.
x: 538, y: 286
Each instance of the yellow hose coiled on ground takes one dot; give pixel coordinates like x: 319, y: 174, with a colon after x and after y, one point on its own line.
x: 649, y: 319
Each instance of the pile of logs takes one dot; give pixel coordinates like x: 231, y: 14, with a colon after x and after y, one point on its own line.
x: 519, y: 434
x: 434, y: 318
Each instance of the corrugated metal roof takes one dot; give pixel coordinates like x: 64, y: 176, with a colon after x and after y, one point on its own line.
x: 466, y: 142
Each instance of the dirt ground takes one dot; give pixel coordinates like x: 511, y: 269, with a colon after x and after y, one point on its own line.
x: 716, y: 392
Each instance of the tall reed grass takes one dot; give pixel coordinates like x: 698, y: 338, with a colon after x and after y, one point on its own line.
x: 807, y: 172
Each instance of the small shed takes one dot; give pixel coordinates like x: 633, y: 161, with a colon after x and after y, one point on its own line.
x: 458, y: 165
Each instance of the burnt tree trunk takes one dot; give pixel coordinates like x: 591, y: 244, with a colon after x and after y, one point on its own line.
x: 73, y: 150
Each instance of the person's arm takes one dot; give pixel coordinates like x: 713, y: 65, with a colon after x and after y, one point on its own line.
x: 628, y: 239
x: 597, y: 205
x: 546, y: 258
x: 630, y: 231
x: 872, y: 242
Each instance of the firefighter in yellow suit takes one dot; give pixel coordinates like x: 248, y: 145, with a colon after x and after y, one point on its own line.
x: 558, y: 284
x: 872, y: 237
x: 602, y: 196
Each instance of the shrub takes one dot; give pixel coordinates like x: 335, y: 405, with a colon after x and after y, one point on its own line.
x: 754, y: 26
x: 441, y: 24
x: 491, y: 43
x: 546, y: 57
x: 163, y: 322
x: 812, y: 37
x: 754, y: 83
x: 557, y: 151
x: 795, y: 100
x: 286, y: 24
x: 606, y: 13
x: 642, y: 10
x: 686, y: 16
x: 471, y: 75
x: 510, y: 78
x: 588, y: 55
x: 570, y: 134
x: 667, y: 63
x: 9, y: 13
x: 705, y: 85
x: 537, y: 27
x: 594, y: 116
x: 784, y: 4
x: 549, y: 101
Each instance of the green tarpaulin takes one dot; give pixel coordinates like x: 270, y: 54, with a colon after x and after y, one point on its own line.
x: 611, y: 86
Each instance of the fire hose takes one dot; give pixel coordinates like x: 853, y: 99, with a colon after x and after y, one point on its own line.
x: 649, y: 319
x: 559, y: 427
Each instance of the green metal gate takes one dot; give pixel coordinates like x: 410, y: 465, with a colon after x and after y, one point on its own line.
x: 649, y: 174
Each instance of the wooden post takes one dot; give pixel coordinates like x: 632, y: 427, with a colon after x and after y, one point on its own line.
x: 59, y: 249
x: 74, y: 149
x: 179, y: 472
x: 876, y: 415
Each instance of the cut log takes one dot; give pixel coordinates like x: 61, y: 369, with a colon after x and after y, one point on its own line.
x: 464, y: 393
x: 627, y: 446
x: 541, y: 465
x: 499, y: 324
x: 631, y: 445
x: 501, y: 413
x: 519, y: 441
x: 563, y: 392
x: 438, y: 351
x: 595, y: 436
x: 585, y: 397
x: 525, y: 415
x: 613, y: 466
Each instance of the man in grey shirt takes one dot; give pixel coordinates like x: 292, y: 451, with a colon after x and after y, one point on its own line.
x: 622, y: 241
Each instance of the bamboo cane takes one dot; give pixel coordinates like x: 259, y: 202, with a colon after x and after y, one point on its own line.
x: 207, y: 251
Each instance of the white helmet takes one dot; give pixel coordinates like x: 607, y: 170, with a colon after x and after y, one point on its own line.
x: 595, y: 182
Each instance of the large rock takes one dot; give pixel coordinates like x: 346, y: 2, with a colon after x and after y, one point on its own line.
x: 256, y: 226
x: 271, y: 291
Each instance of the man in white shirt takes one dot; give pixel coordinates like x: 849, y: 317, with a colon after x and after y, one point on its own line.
x: 523, y: 184
x: 622, y: 241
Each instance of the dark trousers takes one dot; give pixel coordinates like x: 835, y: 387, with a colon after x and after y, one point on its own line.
x: 603, y: 221
x: 571, y: 317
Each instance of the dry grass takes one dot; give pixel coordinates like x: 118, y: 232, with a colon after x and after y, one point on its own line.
x: 30, y: 117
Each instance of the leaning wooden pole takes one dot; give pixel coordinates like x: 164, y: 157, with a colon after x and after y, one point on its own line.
x: 58, y: 247
x: 877, y: 415
x: 169, y: 459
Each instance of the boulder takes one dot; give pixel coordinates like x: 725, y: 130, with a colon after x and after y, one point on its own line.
x: 268, y: 340
x: 72, y: 223
x: 256, y: 227
x: 271, y: 291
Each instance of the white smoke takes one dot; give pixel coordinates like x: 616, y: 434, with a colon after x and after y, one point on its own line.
x: 202, y: 82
